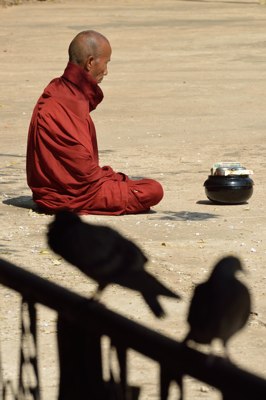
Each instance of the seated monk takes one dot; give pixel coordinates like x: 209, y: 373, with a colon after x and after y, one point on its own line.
x: 63, y: 169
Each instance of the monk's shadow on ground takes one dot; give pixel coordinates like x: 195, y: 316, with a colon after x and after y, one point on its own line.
x: 28, y: 203
x: 12, y: 155
x: 185, y: 216
x: 22, y: 202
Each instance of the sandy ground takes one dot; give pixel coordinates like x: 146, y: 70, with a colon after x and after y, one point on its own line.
x: 186, y: 88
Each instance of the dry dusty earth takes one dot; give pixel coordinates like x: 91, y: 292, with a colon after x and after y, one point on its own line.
x: 186, y: 88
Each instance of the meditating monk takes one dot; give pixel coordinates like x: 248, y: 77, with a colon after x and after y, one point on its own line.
x: 63, y: 168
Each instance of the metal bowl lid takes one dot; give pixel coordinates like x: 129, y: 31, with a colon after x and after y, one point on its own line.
x: 229, y: 168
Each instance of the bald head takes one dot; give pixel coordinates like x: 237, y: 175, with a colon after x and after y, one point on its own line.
x: 86, y: 44
x: 91, y: 51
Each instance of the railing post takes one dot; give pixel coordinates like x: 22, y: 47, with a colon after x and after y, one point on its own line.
x: 80, y: 362
x: 29, y: 385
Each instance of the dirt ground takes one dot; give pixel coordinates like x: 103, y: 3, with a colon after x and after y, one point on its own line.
x: 186, y: 88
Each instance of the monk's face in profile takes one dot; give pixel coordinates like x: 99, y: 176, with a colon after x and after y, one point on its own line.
x: 98, y: 64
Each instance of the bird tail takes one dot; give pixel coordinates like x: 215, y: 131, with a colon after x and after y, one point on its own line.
x: 150, y: 287
x: 157, y: 288
x: 144, y: 282
x: 154, y: 305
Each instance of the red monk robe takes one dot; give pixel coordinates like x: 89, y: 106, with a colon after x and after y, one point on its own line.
x: 63, y: 169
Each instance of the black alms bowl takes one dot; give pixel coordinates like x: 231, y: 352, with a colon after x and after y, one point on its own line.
x: 230, y: 189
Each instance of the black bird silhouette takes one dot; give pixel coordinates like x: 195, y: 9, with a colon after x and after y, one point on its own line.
x: 105, y: 256
x: 221, y: 306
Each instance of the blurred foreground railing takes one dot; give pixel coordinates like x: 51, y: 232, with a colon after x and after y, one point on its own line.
x: 82, y: 323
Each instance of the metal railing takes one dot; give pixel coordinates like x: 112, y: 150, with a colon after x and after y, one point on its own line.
x: 81, y: 324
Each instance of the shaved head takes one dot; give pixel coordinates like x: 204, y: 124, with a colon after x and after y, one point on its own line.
x: 92, y: 52
x: 86, y: 44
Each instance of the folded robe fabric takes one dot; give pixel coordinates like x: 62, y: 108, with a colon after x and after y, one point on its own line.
x: 63, y: 169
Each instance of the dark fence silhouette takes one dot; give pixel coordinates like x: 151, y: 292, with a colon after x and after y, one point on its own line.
x: 81, y: 324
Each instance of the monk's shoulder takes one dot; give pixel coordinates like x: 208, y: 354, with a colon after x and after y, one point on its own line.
x: 61, y: 103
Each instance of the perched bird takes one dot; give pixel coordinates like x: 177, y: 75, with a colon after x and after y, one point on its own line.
x: 105, y: 256
x: 220, y: 306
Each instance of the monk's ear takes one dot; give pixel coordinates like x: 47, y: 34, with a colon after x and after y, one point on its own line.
x: 89, y: 63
